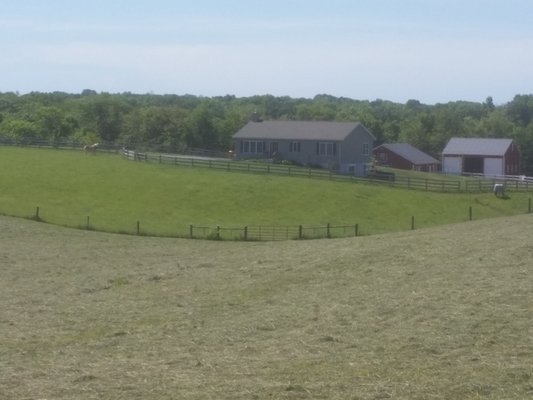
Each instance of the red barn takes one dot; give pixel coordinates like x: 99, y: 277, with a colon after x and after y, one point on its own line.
x: 405, y: 156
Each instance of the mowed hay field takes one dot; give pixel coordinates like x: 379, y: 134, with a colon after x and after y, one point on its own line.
x: 437, y: 313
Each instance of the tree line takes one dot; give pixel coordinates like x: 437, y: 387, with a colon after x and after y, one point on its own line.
x: 173, y: 122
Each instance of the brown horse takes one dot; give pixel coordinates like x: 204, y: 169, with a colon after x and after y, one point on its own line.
x: 90, y: 148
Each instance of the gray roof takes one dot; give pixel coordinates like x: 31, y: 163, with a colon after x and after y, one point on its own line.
x: 298, y: 130
x: 477, y: 147
x: 410, y: 153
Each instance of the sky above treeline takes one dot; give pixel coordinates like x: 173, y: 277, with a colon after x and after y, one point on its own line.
x: 433, y: 51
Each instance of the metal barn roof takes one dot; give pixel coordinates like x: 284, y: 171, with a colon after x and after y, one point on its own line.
x: 477, y: 147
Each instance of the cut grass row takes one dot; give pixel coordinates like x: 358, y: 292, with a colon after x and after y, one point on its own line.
x: 69, y: 186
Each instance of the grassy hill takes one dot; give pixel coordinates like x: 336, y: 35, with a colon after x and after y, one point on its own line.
x: 69, y: 186
x: 439, y: 313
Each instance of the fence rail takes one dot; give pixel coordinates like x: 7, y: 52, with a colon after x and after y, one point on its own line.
x: 426, y: 184
x: 272, y: 232
x: 207, y: 159
x: 246, y: 233
x: 60, y: 144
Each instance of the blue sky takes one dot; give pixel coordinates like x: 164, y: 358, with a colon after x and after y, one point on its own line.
x: 429, y: 50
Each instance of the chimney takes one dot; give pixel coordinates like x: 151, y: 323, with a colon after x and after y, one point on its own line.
x: 255, y: 117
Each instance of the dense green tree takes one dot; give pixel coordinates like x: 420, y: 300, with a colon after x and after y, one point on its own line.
x: 21, y: 131
x: 160, y: 128
x: 520, y: 110
x: 171, y: 122
x: 104, y: 114
x: 200, y: 129
x: 54, y: 124
x: 316, y: 111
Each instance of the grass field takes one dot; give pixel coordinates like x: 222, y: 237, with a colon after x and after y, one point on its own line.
x: 69, y: 186
x: 438, y: 313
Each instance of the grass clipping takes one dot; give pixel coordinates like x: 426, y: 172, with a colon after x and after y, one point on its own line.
x: 437, y: 313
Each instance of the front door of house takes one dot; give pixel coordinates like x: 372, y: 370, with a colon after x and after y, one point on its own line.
x: 273, y: 149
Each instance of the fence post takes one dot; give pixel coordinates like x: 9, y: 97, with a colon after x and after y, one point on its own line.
x: 470, y: 213
x: 37, y: 212
x: 356, y: 230
x: 327, y: 231
x: 529, y: 206
x: 218, y: 232
x: 138, y: 227
x: 190, y: 231
x: 245, y: 233
x: 87, y: 225
x: 413, y: 223
x: 300, y: 232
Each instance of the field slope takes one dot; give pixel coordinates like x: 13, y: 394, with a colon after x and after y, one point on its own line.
x: 69, y: 186
x: 439, y: 313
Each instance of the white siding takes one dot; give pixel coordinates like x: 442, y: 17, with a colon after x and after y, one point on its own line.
x: 493, y: 166
x: 452, y: 165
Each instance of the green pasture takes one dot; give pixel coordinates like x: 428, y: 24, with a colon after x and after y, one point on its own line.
x: 112, y: 194
x: 439, y: 313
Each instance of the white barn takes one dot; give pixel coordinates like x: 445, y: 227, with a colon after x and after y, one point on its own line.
x: 481, y: 156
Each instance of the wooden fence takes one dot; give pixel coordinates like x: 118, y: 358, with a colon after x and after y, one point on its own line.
x: 244, y: 233
x: 486, y: 185
x: 273, y: 232
x: 447, y: 184
x: 205, y: 159
x: 249, y: 232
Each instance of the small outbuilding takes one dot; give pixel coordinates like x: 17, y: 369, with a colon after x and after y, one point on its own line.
x: 341, y: 146
x: 486, y: 156
x: 405, y: 156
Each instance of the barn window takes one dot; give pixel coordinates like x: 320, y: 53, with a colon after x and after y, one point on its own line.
x: 366, y: 149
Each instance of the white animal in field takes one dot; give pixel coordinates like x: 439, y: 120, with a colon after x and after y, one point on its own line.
x: 499, y: 189
x: 90, y: 148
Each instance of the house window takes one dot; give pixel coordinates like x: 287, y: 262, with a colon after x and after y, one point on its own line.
x: 366, y: 149
x: 326, y: 149
x: 252, y: 146
x: 294, y: 147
